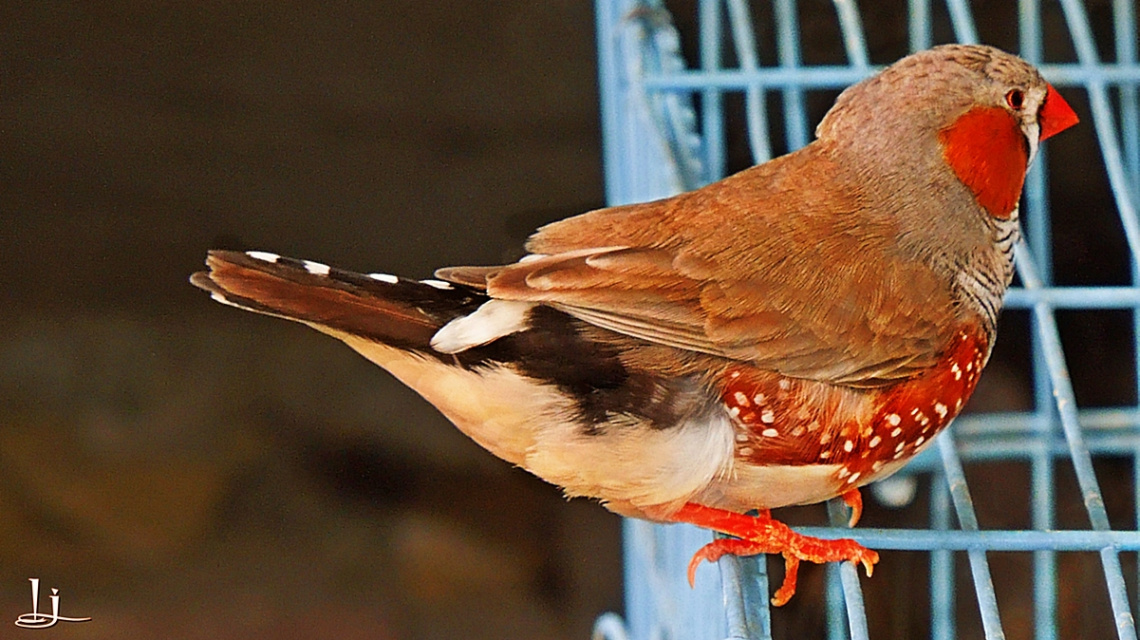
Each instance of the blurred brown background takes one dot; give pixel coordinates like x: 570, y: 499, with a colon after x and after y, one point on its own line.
x: 182, y: 470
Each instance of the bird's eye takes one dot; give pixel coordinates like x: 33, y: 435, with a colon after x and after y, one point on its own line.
x: 1015, y: 99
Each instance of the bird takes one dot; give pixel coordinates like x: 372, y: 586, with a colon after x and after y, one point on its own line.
x: 783, y: 336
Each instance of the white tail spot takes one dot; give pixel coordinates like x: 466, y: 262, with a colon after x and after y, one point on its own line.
x: 437, y: 284
x: 264, y: 256
x: 491, y: 321
x: 316, y: 268
x: 386, y: 278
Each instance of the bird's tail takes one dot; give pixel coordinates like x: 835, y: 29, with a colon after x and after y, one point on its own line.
x: 379, y: 307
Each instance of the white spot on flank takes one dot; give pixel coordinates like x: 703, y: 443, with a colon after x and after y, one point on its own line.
x: 897, y: 455
x: 316, y: 268
x: 843, y: 473
x: 896, y: 432
x: 438, y: 284
x: 767, y: 417
x: 734, y: 375
x: 798, y: 431
x: 491, y: 321
x: 759, y: 398
x: 769, y: 433
x: 824, y: 455
x: 742, y: 437
x: 854, y: 477
x: 740, y: 398
x: 746, y: 451
x: 825, y: 438
x: 734, y: 412
x: 970, y: 366
x: 877, y: 465
x: 785, y: 384
x: 900, y: 446
x: 264, y: 256
x: 874, y: 442
x: 894, y: 419
x: 384, y: 277
x: 920, y: 440
x: 848, y: 446
x: 940, y: 409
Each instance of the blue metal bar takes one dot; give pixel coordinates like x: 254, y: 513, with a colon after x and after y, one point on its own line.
x: 919, y: 26
x: 1040, y: 239
x: 1124, y: 24
x: 836, y: 77
x: 851, y: 28
x: 988, y: 540
x: 712, y: 100
x: 849, y: 578
x: 611, y: 116
x: 1104, y: 122
x: 755, y: 109
x: 745, y: 588
x: 979, y: 566
x: 1046, y: 327
x: 1074, y: 298
x: 836, y: 607
x: 962, y: 21
x: 788, y: 53
x: 942, y: 597
x: 609, y: 626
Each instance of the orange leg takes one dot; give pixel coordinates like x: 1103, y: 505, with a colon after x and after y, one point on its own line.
x: 763, y: 534
x: 854, y: 499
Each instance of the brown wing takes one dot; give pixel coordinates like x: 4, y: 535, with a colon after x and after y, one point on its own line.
x: 764, y: 267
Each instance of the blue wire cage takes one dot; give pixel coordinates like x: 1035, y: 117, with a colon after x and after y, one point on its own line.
x: 666, y: 130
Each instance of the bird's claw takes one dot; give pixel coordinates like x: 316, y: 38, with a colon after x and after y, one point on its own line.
x: 772, y: 536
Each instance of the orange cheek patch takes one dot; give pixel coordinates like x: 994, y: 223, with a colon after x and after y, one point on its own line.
x: 986, y: 150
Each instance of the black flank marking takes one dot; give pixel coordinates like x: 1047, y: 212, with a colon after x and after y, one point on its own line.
x: 558, y: 350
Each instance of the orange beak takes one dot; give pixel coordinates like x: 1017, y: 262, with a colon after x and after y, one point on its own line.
x: 1056, y: 115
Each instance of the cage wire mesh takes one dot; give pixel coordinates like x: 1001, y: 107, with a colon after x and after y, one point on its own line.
x: 758, y: 69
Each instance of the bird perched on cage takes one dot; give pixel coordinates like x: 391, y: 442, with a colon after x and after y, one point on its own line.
x: 783, y: 336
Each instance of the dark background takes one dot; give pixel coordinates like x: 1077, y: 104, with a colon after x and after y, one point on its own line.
x: 182, y: 470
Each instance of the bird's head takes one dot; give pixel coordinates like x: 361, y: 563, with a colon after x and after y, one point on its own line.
x: 976, y: 109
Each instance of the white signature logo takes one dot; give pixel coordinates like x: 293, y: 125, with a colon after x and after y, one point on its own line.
x: 37, y: 620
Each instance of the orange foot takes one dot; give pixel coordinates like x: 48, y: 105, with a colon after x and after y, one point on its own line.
x: 763, y: 534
